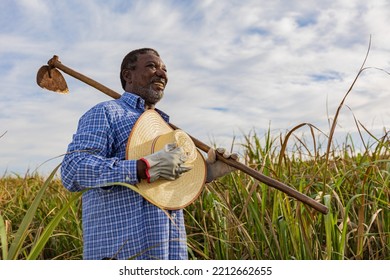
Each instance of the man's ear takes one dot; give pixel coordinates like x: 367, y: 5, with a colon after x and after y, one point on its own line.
x: 127, y: 75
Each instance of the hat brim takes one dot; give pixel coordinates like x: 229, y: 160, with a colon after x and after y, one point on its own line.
x: 170, y: 195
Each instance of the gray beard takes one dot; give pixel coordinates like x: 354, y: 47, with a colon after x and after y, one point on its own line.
x: 150, y: 96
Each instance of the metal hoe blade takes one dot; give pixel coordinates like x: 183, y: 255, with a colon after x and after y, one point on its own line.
x: 51, y: 79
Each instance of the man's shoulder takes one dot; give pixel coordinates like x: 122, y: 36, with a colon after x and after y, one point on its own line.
x: 106, y: 106
x: 103, y: 110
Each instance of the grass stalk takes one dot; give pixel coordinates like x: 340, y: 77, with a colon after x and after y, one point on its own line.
x: 3, y: 238
x: 49, y: 229
x: 20, y: 236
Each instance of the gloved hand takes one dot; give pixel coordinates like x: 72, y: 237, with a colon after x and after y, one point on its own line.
x: 167, y: 163
x: 217, y: 168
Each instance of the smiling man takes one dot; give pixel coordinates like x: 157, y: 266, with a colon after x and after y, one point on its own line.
x: 146, y: 77
x: 118, y: 223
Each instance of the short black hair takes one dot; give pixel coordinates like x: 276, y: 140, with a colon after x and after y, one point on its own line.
x: 130, y: 59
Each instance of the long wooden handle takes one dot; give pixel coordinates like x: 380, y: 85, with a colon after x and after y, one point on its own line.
x: 54, y: 62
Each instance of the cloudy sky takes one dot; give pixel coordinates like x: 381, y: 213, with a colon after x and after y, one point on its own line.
x: 235, y: 67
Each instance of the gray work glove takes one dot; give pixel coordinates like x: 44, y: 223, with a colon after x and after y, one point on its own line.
x: 217, y: 168
x: 167, y: 163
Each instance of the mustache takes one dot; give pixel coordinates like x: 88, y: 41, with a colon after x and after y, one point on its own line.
x: 157, y: 79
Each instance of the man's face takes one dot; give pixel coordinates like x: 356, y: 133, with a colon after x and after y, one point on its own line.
x: 148, y: 79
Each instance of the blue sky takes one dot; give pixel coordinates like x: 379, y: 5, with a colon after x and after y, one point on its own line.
x: 234, y: 67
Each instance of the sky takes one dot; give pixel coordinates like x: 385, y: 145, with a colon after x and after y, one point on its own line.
x: 236, y: 68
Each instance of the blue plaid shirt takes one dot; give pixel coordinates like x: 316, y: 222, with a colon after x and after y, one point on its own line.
x: 117, y: 222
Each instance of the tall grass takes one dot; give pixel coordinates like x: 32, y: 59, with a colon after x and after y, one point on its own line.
x: 239, y: 218
x: 236, y: 217
x: 38, y: 220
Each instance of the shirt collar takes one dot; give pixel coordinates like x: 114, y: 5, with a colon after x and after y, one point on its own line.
x: 136, y: 102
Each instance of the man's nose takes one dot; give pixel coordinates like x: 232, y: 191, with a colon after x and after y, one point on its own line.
x: 161, y: 73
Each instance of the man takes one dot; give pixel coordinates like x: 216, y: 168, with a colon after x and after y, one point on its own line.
x: 118, y: 223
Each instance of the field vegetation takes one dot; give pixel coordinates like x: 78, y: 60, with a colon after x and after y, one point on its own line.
x: 235, y: 217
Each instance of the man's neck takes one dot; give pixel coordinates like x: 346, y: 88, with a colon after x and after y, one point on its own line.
x: 149, y: 106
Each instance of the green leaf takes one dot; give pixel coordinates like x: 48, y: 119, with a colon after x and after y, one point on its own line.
x: 345, y: 226
x: 3, y: 239
x: 22, y: 232
x: 40, y: 244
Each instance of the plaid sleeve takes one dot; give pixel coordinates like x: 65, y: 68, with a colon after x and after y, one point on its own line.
x: 88, y: 162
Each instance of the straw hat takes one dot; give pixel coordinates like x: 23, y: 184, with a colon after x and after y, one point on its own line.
x: 149, y: 135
